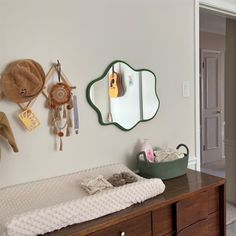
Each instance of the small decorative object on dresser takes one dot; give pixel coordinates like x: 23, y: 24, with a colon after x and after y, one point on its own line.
x: 164, y: 169
x: 148, y: 150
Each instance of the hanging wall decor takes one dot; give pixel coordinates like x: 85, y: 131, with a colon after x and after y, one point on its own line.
x: 124, y: 96
x: 6, y: 131
x: 115, y: 84
x: 76, y: 114
x: 29, y: 119
x: 21, y: 82
x: 60, y: 102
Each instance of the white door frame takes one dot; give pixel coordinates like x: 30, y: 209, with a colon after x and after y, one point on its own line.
x: 219, y: 6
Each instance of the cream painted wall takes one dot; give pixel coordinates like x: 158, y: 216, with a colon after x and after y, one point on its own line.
x: 86, y: 36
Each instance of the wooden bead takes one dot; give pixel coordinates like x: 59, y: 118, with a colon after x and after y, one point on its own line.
x: 69, y: 107
x: 60, y: 134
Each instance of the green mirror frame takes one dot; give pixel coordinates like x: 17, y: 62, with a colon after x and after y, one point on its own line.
x: 102, y: 77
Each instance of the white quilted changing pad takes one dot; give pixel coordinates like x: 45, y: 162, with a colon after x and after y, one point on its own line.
x: 44, y: 206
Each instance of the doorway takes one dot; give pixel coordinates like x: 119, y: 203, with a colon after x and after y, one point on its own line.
x: 221, y: 130
x: 218, y: 110
x: 212, y: 91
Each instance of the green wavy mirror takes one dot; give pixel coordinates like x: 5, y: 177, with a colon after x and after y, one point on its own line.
x: 124, y: 96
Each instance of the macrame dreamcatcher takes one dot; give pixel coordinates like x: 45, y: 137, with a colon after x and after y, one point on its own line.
x: 60, y: 104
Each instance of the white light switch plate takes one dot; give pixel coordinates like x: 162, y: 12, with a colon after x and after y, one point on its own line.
x: 186, y: 88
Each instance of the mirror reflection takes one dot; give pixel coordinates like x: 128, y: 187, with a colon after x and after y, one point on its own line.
x: 124, y: 96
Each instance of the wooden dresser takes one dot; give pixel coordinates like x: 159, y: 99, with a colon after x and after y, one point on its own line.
x: 192, y: 205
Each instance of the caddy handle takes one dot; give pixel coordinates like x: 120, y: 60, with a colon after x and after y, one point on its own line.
x: 183, y: 145
x: 145, y: 158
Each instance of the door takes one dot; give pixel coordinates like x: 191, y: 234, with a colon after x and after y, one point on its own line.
x: 212, y: 66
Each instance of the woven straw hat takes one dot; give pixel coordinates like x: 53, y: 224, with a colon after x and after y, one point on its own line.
x: 22, y: 80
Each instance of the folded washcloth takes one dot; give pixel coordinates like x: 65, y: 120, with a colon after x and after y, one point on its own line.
x: 95, y: 184
x: 167, y: 155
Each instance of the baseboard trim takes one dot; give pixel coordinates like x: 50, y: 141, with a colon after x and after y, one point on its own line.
x: 192, y: 163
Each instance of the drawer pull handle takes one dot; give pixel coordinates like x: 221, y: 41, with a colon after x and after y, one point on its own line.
x: 122, y: 233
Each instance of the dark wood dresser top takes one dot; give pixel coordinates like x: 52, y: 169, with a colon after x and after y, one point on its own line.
x: 176, y: 189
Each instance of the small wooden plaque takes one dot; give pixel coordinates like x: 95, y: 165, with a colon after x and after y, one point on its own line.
x: 29, y: 119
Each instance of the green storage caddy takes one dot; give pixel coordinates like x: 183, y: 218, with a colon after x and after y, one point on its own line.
x: 163, y: 170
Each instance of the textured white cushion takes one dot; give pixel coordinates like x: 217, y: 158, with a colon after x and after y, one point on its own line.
x: 44, y: 206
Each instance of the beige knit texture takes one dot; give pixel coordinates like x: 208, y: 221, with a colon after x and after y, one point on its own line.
x: 44, y: 206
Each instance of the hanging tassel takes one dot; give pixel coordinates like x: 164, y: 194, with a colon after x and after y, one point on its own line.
x: 50, y: 118
x: 68, y: 133
x: 71, y: 103
x: 76, y: 114
x: 69, y: 119
x: 55, y: 131
x: 64, y: 112
x: 61, y: 144
x: 59, y: 115
x: 69, y: 123
x: 109, y: 117
x: 55, y: 115
x: 48, y: 103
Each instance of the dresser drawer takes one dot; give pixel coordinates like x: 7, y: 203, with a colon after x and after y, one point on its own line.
x: 213, y: 199
x: 197, y: 229
x: 214, y: 224
x: 162, y: 220
x: 140, y: 225
x: 191, y: 210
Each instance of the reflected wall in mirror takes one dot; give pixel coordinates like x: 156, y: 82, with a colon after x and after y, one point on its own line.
x: 124, y: 96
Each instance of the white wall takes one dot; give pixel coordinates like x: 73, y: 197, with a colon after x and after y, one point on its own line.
x: 153, y: 34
